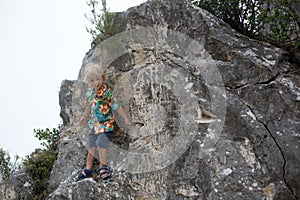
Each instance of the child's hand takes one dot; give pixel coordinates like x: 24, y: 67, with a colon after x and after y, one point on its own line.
x: 83, y: 121
x: 128, y: 122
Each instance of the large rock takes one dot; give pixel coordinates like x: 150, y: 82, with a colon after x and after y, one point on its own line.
x: 217, y: 113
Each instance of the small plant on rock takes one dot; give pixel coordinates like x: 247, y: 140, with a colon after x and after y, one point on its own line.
x: 7, y: 165
x: 103, y: 24
x: 40, y: 163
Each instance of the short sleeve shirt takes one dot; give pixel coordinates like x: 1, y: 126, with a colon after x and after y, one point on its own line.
x: 102, y: 119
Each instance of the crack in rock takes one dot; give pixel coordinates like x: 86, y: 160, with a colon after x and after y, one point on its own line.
x: 278, y: 146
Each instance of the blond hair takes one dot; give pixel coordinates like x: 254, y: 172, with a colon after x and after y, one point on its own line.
x: 92, y: 70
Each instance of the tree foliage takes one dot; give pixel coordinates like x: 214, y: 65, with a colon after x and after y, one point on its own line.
x: 39, y: 165
x: 7, y: 165
x: 39, y: 168
x: 47, y: 137
x: 103, y: 24
x: 274, y: 21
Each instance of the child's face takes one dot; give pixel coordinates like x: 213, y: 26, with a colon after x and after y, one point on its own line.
x: 95, y: 81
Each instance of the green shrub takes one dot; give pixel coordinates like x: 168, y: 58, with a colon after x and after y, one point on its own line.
x: 48, y: 138
x: 39, y: 165
x: 103, y: 24
x: 7, y: 167
x: 273, y: 21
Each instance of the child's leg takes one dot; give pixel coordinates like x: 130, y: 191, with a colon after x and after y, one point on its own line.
x: 102, y: 146
x: 90, y: 158
x: 105, y: 171
x: 87, y: 173
x: 102, y: 156
x: 92, y: 149
x: 102, y: 143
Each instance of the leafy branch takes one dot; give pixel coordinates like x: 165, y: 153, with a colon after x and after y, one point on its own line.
x: 273, y: 21
x: 7, y: 167
x: 102, y: 21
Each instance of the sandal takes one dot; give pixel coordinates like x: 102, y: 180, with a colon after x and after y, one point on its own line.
x: 104, y: 170
x: 86, y: 173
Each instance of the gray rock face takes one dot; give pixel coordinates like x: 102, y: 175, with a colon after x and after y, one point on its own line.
x: 216, y: 114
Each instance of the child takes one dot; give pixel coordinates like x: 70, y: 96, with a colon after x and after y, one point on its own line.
x: 99, y: 105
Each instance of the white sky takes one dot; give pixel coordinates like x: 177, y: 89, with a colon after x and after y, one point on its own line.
x: 42, y: 42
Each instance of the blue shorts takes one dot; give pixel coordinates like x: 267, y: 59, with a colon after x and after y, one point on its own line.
x: 99, y: 140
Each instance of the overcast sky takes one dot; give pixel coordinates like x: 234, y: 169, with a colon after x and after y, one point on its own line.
x: 42, y: 42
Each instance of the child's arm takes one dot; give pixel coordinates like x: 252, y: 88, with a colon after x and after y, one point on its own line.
x: 117, y: 107
x: 121, y: 112
x: 84, y: 118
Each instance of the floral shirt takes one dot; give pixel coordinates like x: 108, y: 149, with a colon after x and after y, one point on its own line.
x: 102, y: 119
